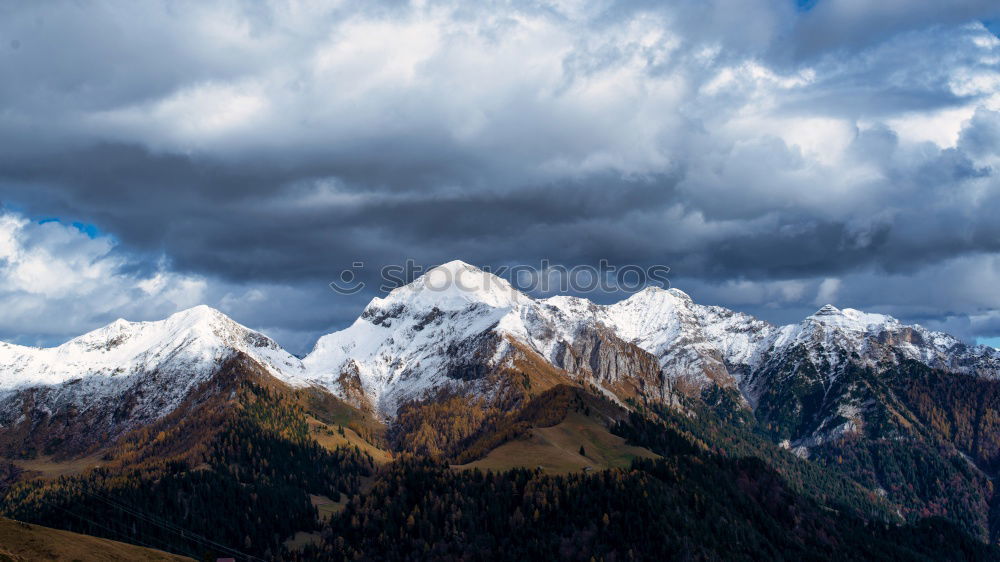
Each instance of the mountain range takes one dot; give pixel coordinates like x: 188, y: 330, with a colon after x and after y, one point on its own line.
x: 420, y: 339
x: 460, y: 366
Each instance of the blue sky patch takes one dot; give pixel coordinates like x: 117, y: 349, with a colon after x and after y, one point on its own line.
x: 805, y: 5
x: 992, y: 342
x: 91, y: 230
x: 993, y: 26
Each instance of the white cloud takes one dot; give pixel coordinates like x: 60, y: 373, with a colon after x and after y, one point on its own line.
x: 827, y: 292
x: 560, y: 90
x: 939, y: 127
x: 58, y: 281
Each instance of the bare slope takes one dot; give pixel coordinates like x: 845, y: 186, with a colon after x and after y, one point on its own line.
x: 21, y: 541
x: 556, y: 449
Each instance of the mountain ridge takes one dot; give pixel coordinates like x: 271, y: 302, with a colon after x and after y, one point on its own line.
x: 423, y: 325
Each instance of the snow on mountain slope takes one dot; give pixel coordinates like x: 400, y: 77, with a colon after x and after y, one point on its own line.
x: 406, y: 342
x: 457, y: 323
x: 190, y: 343
x: 832, y: 336
x: 431, y: 333
x: 124, y: 375
x: 455, y: 318
x: 423, y: 335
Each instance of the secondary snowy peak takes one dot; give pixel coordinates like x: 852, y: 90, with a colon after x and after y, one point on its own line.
x: 831, y: 339
x: 191, y: 342
x: 851, y: 320
x: 652, y: 314
x: 124, y: 375
x: 668, y: 325
x: 690, y: 340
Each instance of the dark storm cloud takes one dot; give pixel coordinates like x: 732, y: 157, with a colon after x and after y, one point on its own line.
x: 771, y: 156
x: 244, y: 222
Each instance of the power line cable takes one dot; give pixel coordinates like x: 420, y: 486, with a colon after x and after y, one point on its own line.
x: 169, y: 526
x: 122, y: 535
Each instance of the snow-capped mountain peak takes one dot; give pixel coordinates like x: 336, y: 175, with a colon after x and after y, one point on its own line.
x: 851, y: 320
x: 416, y: 336
x: 453, y: 286
x: 190, y: 342
x: 651, y: 310
x: 127, y: 374
x: 831, y: 340
x: 201, y: 319
x: 827, y: 310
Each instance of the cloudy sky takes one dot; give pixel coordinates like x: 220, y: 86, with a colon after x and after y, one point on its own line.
x: 776, y: 155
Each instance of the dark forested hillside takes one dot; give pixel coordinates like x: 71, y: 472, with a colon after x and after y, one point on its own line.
x: 929, y: 444
x: 690, y: 507
x: 925, y: 439
x: 239, y: 488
